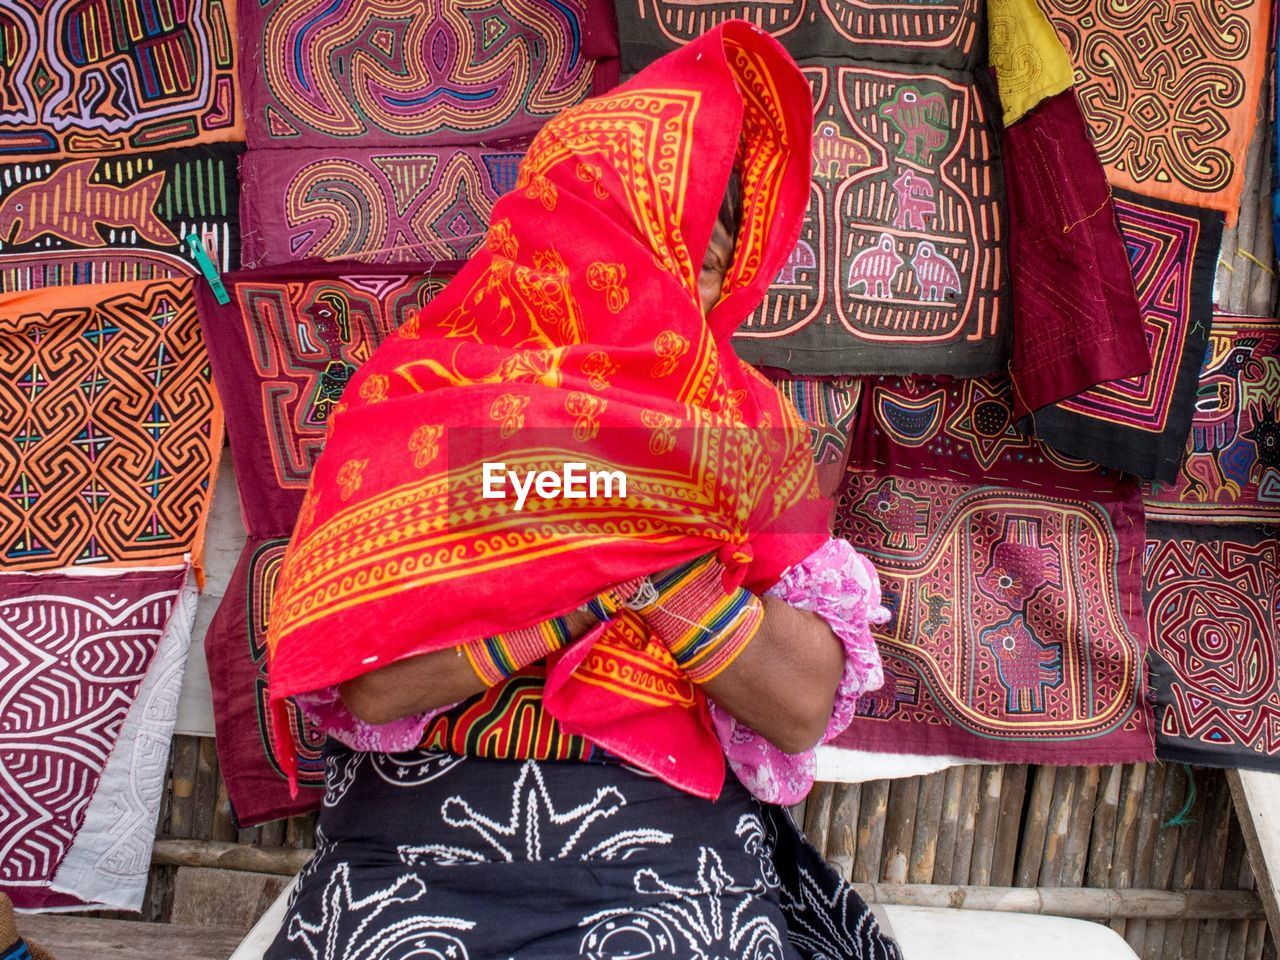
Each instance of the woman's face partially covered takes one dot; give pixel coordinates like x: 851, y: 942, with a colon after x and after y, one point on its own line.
x: 714, y: 266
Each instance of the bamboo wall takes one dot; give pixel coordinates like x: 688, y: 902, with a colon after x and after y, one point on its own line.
x: 974, y: 825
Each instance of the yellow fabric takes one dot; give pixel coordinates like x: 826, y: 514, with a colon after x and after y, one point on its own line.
x: 1029, y: 59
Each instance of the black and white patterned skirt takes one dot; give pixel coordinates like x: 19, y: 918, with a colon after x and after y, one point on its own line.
x: 432, y: 856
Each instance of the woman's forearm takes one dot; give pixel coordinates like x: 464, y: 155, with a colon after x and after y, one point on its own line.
x: 784, y: 682
x: 426, y: 682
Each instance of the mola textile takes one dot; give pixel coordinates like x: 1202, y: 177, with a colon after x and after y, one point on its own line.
x: 946, y: 33
x: 379, y: 73
x: 112, y: 429
x: 828, y: 407
x: 1015, y: 580
x: 1230, y: 470
x: 88, y: 80
x: 1140, y: 424
x: 1213, y: 607
x: 249, y: 751
x: 74, y: 651
x: 900, y: 264
x: 546, y: 349
x: 1170, y: 91
x: 284, y: 348
x: 109, y: 862
x: 136, y: 202
x: 384, y: 206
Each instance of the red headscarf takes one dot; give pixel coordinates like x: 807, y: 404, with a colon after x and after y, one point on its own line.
x: 577, y: 334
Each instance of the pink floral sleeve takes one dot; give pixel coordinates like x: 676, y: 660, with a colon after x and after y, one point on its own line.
x: 325, y: 709
x: 840, y: 585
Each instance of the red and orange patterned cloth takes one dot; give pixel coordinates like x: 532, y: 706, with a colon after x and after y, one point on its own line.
x: 554, y: 324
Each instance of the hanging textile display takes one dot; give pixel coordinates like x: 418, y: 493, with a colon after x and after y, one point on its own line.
x: 79, y: 82
x: 1213, y: 608
x: 249, y: 753
x: 900, y: 263
x: 442, y: 74
x: 946, y: 32
x: 284, y: 348
x: 384, y: 206
x: 1075, y: 315
x: 133, y: 202
x: 1230, y: 469
x: 1076, y: 318
x: 74, y: 654
x: 1140, y: 424
x: 1171, y: 97
x: 1015, y: 580
x: 115, y: 427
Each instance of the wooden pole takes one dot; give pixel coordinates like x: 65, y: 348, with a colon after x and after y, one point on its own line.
x: 284, y: 861
x: 1257, y: 801
x: 1086, y: 903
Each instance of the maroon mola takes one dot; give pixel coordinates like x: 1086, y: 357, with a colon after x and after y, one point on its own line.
x: 1024, y: 665
x: 875, y: 268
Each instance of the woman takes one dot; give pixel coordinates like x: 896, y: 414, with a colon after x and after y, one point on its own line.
x: 557, y: 806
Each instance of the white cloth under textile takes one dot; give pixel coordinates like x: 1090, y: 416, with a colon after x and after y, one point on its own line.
x: 224, y: 539
x: 842, y: 765
x: 109, y: 860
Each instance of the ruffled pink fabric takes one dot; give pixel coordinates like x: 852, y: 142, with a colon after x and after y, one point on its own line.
x: 325, y: 709
x: 835, y: 582
x: 839, y: 585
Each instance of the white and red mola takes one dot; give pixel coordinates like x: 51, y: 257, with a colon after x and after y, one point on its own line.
x: 875, y: 267
x: 915, y: 200
x: 937, y: 275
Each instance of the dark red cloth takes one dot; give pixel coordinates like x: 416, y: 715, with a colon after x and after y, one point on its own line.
x: 1075, y: 314
x: 236, y: 650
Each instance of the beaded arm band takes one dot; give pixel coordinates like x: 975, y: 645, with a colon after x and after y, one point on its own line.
x: 704, y: 628
x: 498, y: 657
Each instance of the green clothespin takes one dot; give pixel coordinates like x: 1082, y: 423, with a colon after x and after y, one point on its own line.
x: 208, y: 268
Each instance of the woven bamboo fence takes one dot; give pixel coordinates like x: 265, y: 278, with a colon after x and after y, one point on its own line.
x: 1154, y: 850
